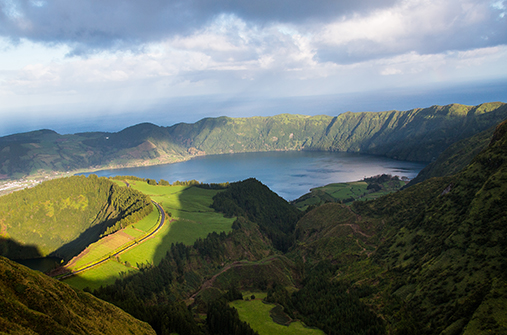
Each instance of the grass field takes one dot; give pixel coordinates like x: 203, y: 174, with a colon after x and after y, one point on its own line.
x: 102, y: 275
x: 193, y: 219
x: 190, y: 218
x: 256, y: 313
x: 344, y: 192
x: 110, y: 243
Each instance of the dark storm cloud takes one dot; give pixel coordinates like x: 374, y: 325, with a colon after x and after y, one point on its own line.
x: 90, y: 25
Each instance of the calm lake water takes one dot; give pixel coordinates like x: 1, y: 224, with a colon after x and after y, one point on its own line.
x: 290, y: 173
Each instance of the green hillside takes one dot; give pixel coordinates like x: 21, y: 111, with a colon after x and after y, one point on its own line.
x: 44, y: 150
x: 419, y: 134
x: 62, y: 216
x: 456, y: 157
x: 32, y: 303
x: 254, y: 201
x: 430, y: 259
x: 444, y: 247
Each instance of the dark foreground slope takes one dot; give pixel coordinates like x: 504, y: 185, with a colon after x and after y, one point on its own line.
x: 61, y: 217
x: 32, y: 303
x: 419, y: 134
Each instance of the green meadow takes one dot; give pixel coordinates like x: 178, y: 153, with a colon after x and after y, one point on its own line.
x: 256, y: 313
x: 345, y: 190
x: 107, y: 245
x: 346, y: 193
x: 105, y: 274
x: 189, y: 218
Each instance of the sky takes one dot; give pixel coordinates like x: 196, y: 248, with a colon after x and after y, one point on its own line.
x: 84, y: 65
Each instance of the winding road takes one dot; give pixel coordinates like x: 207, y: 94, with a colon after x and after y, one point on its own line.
x: 88, y: 267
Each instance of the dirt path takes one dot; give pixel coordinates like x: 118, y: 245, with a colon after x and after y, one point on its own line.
x: 355, y: 228
x: 209, y: 283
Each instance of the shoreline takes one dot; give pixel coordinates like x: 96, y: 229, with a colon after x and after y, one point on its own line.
x: 8, y: 186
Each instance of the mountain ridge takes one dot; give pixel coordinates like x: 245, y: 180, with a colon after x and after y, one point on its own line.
x: 419, y: 134
x: 430, y: 259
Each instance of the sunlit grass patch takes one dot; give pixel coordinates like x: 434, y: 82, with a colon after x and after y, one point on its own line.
x: 189, y: 217
x: 102, y: 275
x: 179, y: 231
x: 142, y: 227
x: 256, y: 313
x: 109, y: 244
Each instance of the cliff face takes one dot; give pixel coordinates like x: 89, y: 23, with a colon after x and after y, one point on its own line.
x: 419, y: 134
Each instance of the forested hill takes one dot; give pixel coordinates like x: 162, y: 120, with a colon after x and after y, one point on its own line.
x: 62, y: 217
x: 456, y: 157
x: 420, y: 134
x: 433, y: 254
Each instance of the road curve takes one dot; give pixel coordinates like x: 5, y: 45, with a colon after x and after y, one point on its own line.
x: 160, y: 225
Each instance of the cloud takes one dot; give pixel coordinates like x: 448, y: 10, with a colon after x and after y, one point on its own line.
x: 132, y: 50
x: 422, y: 26
x: 90, y: 25
x: 341, y: 32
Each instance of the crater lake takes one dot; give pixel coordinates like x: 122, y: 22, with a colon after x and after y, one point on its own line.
x: 288, y: 173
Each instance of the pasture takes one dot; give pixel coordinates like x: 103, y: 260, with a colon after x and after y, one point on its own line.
x: 189, y: 218
x: 345, y: 193
x: 346, y: 190
x: 102, y: 275
x: 257, y: 314
x: 110, y: 243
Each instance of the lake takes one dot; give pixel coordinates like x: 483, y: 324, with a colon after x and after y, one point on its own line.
x: 288, y: 173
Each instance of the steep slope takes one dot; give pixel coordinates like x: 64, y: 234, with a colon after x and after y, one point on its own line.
x: 33, y: 303
x: 255, y: 201
x: 416, y: 135
x: 455, y: 158
x: 445, y: 246
x: 61, y: 217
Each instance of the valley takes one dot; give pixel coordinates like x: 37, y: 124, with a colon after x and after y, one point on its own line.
x: 374, y: 256
x: 188, y: 218
x: 419, y: 134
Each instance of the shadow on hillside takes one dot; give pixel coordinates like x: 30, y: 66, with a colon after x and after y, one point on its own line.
x: 182, y: 227
x: 13, y: 250
x: 189, y: 226
x: 168, y: 239
x: 89, y: 236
